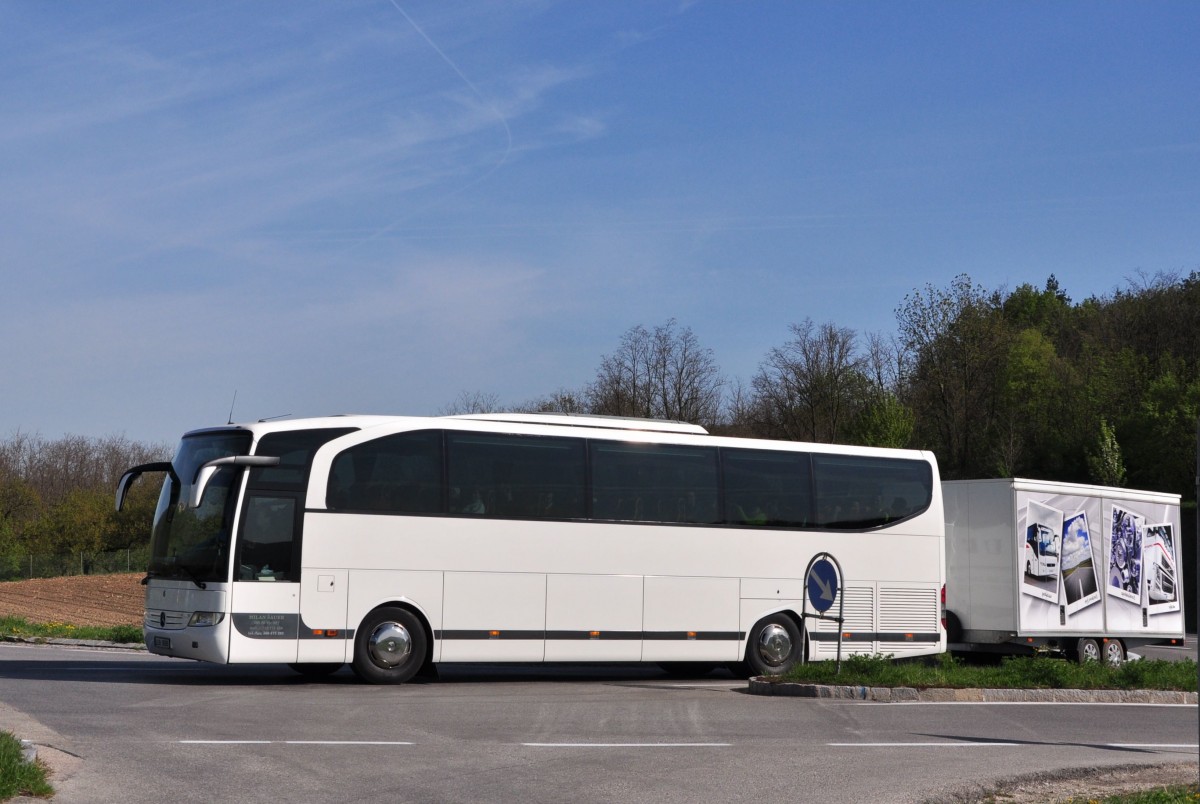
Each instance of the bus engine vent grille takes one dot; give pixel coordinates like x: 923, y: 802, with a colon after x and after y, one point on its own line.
x: 908, y: 610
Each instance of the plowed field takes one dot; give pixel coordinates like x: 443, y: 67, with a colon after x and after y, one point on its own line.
x: 77, y: 600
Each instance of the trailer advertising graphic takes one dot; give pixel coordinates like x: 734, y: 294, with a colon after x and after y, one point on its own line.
x: 1090, y: 562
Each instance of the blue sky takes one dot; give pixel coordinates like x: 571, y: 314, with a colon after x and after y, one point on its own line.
x: 376, y: 206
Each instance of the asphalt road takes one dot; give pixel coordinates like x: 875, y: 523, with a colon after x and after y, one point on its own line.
x: 148, y: 729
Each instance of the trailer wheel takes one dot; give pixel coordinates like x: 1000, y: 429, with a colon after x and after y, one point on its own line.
x: 1114, y: 652
x: 390, y: 646
x: 954, y: 631
x: 1087, y: 650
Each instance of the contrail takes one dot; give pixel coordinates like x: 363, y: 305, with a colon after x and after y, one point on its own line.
x: 474, y: 89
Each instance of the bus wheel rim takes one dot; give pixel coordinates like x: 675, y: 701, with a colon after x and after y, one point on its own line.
x: 390, y: 644
x: 774, y: 644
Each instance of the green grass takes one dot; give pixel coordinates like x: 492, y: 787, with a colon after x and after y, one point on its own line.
x: 16, y: 626
x: 1011, y: 673
x: 18, y: 777
x: 1168, y: 795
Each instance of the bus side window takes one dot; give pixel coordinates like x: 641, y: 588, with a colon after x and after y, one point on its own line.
x: 517, y: 476
x: 394, y: 474
x: 654, y: 483
x: 767, y: 488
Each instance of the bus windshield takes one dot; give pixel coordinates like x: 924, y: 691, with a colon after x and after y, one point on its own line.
x: 193, y: 544
x: 1045, y: 541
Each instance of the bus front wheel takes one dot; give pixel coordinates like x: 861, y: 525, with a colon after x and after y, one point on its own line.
x: 774, y: 646
x: 390, y: 646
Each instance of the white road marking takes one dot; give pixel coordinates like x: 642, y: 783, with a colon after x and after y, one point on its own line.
x: 710, y: 685
x: 922, y: 745
x: 973, y: 744
x: 288, y: 742
x: 626, y: 745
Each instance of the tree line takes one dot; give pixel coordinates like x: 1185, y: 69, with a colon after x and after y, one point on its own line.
x: 997, y: 383
x: 56, y: 496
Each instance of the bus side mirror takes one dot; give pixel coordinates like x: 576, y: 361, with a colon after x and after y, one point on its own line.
x: 206, y: 471
x: 133, y: 474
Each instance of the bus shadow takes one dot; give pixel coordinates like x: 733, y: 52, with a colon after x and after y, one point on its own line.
x: 168, y: 672
x: 958, y: 738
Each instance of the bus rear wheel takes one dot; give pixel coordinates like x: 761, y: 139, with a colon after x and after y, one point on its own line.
x: 774, y: 646
x: 390, y: 646
x: 1114, y: 652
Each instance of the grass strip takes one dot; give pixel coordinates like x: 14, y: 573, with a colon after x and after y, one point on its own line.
x: 1018, y: 672
x: 19, y: 627
x: 18, y: 777
x: 1175, y: 794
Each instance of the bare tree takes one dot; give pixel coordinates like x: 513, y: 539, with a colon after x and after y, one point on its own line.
x: 561, y: 401
x: 469, y: 402
x: 664, y: 374
x: 810, y: 388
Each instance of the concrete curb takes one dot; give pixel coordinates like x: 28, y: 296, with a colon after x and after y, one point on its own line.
x: 764, y: 686
x: 72, y: 643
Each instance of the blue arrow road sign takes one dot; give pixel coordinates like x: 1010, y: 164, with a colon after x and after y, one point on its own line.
x: 822, y: 585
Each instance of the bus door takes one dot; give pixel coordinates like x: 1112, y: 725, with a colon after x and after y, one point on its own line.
x: 265, y: 605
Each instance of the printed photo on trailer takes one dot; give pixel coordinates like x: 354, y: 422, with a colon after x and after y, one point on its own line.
x: 1160, y: 568
x: 1125, y: 555
x: 1080, y: 586
x: 1041, y: 547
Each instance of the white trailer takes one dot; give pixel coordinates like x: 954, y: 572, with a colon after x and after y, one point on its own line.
x: 1034, y: 565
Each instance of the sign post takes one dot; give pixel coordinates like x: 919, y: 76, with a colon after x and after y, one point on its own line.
x: 823, y: 583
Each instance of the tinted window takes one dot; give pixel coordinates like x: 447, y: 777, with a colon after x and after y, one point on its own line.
x: 295, y: 450
x: 529, y: 477
x: 268, y: 534
x: 854, y: 492
x: 654, y: 482
x: 398, y: 474
x: 767, y: 488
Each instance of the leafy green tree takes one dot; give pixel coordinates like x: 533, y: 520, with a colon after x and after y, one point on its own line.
x: 1105, y: 461
x: 884, y: 421
x: 956, y: 343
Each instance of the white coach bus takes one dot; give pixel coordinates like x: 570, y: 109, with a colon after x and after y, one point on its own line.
x: 395, y: 543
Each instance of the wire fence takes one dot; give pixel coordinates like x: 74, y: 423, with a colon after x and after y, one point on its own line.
x: 18, y: 567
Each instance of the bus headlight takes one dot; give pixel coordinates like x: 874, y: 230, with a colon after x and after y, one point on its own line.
x: 205, y: 618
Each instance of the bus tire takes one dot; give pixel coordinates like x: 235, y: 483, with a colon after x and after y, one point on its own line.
x: 390, y: 646
x: 1087, y: 650
x: 1114, y: 652
x: 775, y: 645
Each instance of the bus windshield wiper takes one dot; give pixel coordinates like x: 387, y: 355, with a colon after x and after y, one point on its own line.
x: 192, y: 576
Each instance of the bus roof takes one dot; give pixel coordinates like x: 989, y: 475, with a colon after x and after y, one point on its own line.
x: 589, y: 420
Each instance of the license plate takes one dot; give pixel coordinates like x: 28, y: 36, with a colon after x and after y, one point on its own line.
x: 162, y: 642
